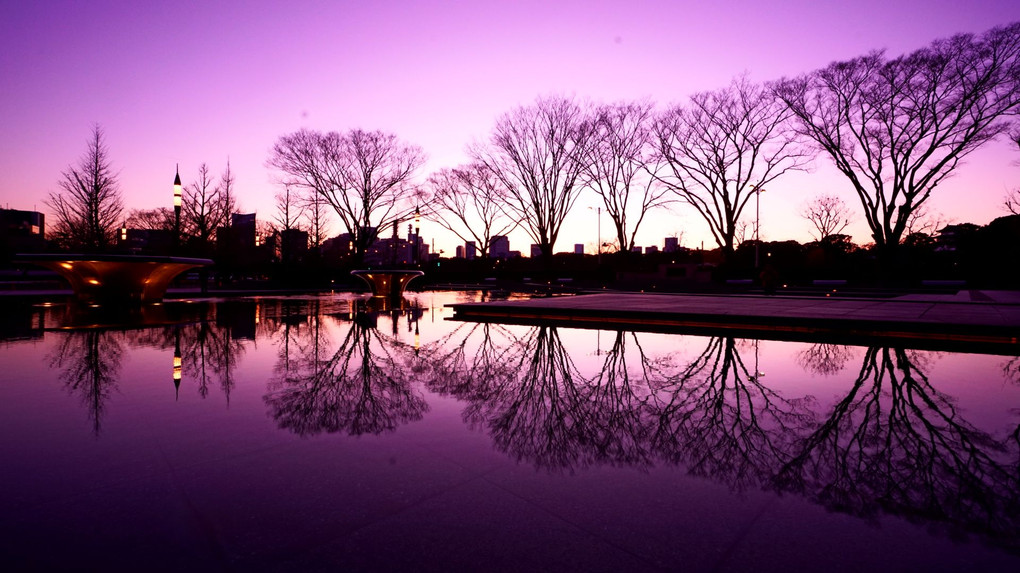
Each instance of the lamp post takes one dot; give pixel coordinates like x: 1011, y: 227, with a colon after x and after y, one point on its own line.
x: 757, y: 213
x: 177, y: 206
x: 416, y: 253
x: 598, y: 230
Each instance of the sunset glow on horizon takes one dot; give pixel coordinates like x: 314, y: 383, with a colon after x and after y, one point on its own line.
x: 190, y: 83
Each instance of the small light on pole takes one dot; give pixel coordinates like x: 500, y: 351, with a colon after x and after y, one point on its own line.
x: 757, y: 217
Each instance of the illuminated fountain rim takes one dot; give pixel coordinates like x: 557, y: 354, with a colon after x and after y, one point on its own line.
x: 387, y: 283
x: 115, y: 278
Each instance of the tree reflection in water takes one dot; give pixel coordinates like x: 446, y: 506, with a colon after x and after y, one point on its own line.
x: 530, y: 397
x: 896, y: 444
x: 537, y: 414
x: 210, y: 350
x: 825, y: 359
x: 89, y: 363
x: 721, y: 421
x: 361, y: 387
x: 893, y: 444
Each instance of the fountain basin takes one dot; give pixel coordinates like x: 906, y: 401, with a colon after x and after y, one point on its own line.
x: 115, y: 278
x: 386, y: 283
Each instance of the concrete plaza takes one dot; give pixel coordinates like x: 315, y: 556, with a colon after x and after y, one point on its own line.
x: 978, y: 319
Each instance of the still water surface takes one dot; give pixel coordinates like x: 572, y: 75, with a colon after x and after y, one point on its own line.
x: 320, y: 433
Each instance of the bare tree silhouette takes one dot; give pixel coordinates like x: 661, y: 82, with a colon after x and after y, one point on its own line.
x: 89, y: 204
x: 538, y: 155
x: 897, y: 128
x: 722, y: 148
x: 467, y: 201
x: 364, y: 175
x: 619, y: 168
x: 828, y: 214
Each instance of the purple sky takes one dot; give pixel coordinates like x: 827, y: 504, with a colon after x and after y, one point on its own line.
x: 190, y: 83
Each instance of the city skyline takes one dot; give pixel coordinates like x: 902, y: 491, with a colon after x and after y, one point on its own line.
x: 191, y: 84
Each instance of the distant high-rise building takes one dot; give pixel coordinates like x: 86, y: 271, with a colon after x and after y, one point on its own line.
x: 243, y: 231
x: 470, y: 250
x: 460, y: 252
x: 499, y: 247
x: 293, y: 244
x: 578, y: 248
x: 651, y: 250
x: 636, y: 250
x: 672, y: 245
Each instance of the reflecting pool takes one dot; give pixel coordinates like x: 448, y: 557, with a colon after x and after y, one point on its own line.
x: 326, y: 433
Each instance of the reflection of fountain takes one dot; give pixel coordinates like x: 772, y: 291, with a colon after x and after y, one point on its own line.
x: 116, y: 278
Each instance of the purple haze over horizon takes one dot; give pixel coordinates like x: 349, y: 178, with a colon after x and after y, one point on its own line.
x: 189, y: 83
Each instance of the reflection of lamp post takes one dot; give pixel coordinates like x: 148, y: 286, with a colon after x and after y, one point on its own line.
x: 757, y: 212
x: 177, y: 364
x: 757, y: 373
x: 177, y: 206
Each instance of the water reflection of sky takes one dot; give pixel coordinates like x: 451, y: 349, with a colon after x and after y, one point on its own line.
x: 312, y: 430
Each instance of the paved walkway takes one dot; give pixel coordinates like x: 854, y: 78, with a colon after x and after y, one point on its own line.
x: 975, y: 318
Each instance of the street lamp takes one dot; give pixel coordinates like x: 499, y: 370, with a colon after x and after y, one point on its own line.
x: 598, y: 229
x: 757, y: 213
x: 416, y: 253
x: 177, y: 205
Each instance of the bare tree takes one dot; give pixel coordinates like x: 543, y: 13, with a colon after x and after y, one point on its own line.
x: 317, y: 218
x: 467, y: 201
x: 289, y: 210
x: 537, y: 153
x: 828, y: 214
x: 897, y: 128
x: 721, y: 147
x: 617, y: 167
x: 89, y: 204
x: 226, y: 195
x: 365, y: 176
x: 1012, y: 200
x: 925, y: 221
x: 204, y: 208
x: 159, y: 219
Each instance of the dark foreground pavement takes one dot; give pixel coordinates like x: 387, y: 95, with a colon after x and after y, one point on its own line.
x: 987, y: 321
